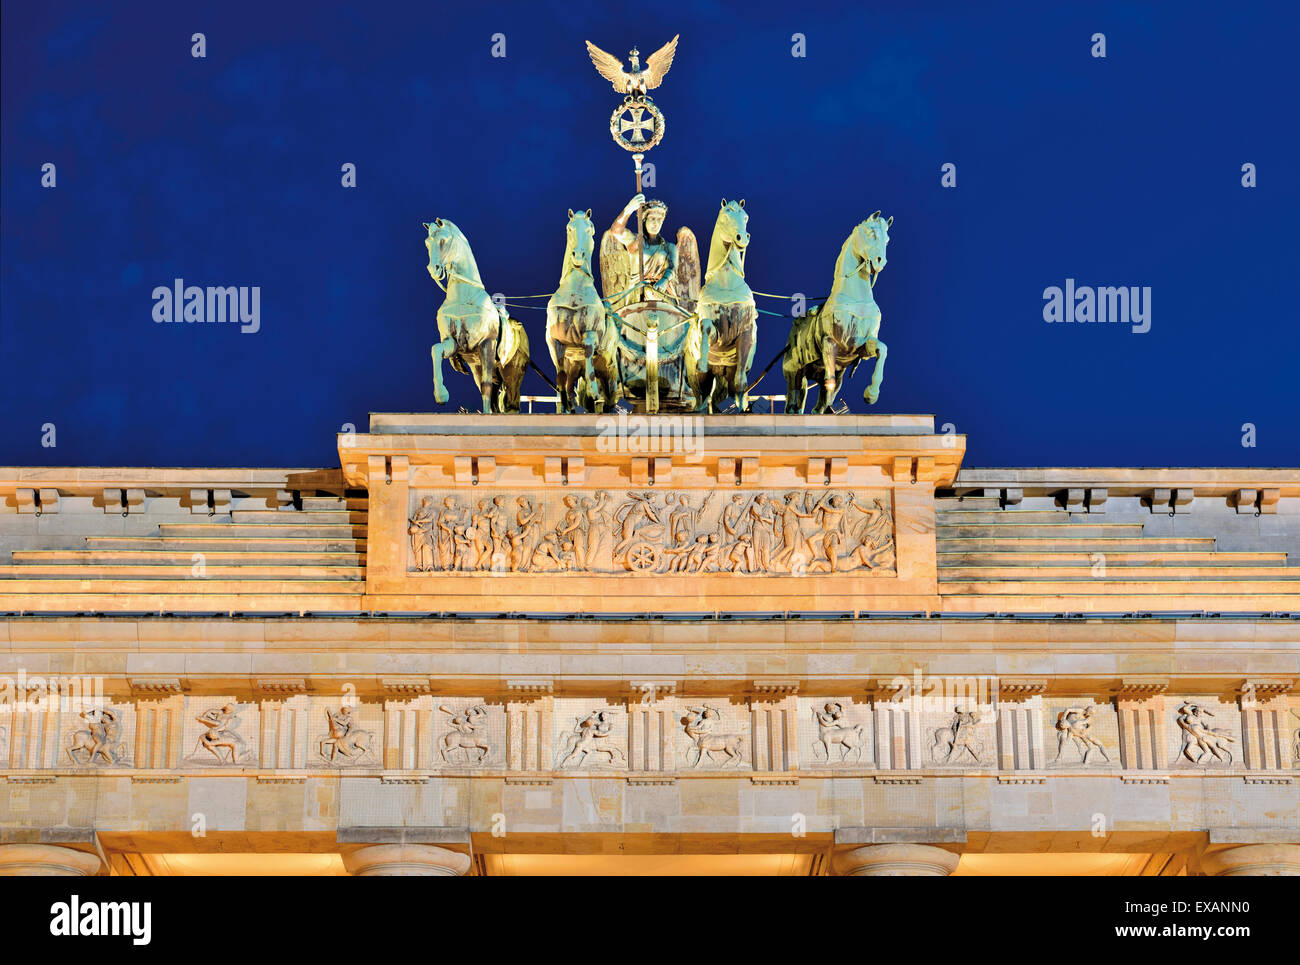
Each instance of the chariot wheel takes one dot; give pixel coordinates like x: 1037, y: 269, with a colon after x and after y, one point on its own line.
x: 642, y: 557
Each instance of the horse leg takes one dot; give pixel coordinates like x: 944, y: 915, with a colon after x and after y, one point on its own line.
x: 745, y: 346
x: 794, y: 387
x: 830, y: 384
x: 487, y: 352
x: 706, y: 334
x: 594, y: 400
x: 440, y: 350
x: 873, y: 390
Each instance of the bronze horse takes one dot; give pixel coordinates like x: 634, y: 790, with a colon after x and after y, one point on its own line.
x: 476, y: 335
x: 843, y: 331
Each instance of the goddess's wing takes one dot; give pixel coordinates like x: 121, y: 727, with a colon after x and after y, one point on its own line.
x: 615, y: 265
x: 688, y: 269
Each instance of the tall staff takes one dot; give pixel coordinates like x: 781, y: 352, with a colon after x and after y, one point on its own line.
x: 636, y: 116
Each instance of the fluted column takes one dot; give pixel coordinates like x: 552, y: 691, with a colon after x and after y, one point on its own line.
x: 1253, y: 859
x: 406, y: 860
x: 46, y: 860
x: 897, y: 860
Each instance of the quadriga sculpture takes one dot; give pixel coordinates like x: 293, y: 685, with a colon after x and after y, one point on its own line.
x: 843, y: 331
x: 728, y: 316
x: 582, y: 336
x: 477, y: 336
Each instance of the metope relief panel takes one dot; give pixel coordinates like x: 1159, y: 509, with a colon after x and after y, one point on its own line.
x: 345, y: 734
x: 469, y: 734
x: 1204, y: 732
x: 219, y: 732
x: 834, y: 733
x: 714, y: 735
x: 958, y: 734
x: 763, y: 533
x: 98, y: 736
x: 590, y: 736
x: 1081, y: 734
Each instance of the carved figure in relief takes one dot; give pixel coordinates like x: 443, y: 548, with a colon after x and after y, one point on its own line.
x: 480, y: 536
x: 572, y: 531
x: 960, y: 735
x: 467, y: 735
x: 762, y: 533
x: 449, y: 518
x: 221, y: 725
x: 524, y: 540
x: 1198, y: 733
x: 600, y: 534
x: 740, y: 555
x: 875, y: 542
x: 421, y: 533
x: 641, y: 528
x: 1072, y: 725
x: 548, y: 558
x: 592, y: 734
x: 831, y: 729
x: 830, y: 511
x: 794, y: 552
x: 344, y: 736
x: 101, y: 738
x: 701, y: 725
x: 684, y: 520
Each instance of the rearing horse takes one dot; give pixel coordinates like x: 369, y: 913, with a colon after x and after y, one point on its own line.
x: 842, y: 332
x: 728, y: 316
x: 581, y: 335
x: 477, y: 336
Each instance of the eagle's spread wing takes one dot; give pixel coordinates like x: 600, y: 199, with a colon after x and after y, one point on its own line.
x: 657, y: 64
x: 611, y: 68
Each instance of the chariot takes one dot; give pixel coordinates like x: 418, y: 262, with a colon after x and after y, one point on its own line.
x: 658, y: 356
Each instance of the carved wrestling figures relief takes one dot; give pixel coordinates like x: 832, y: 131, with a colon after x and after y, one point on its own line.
x: 1201, y: 737
x: 749, y: 533
x: 1072, y: 729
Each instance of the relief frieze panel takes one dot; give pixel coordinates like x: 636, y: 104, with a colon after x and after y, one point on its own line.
x: 652, y: 532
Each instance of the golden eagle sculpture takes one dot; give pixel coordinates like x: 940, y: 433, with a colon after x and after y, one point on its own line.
x: 638, y: 80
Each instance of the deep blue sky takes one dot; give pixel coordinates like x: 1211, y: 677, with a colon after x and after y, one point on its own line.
x: 226, y: 171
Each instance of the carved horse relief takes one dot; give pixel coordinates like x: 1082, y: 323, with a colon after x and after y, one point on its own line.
x: 701, y: 725
x: 727, y: 314
x: 581, y: 335
x: 100, y: 740
x: 467, y: 735
x: 833, y: 729
x: 843, y: 331
x: 476, y: 336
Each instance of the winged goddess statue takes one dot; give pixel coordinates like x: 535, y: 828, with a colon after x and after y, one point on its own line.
x: 638, y: 80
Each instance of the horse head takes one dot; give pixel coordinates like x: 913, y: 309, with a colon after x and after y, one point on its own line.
x: 729, y: 234
x: 581, y: 242
x: 869, y: 242
x: 449, y: 252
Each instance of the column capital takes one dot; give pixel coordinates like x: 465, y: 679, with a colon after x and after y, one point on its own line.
x: 46, y: 860
x: 406, y: 860
x: 1253, y: 859
x: 897, y: 860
